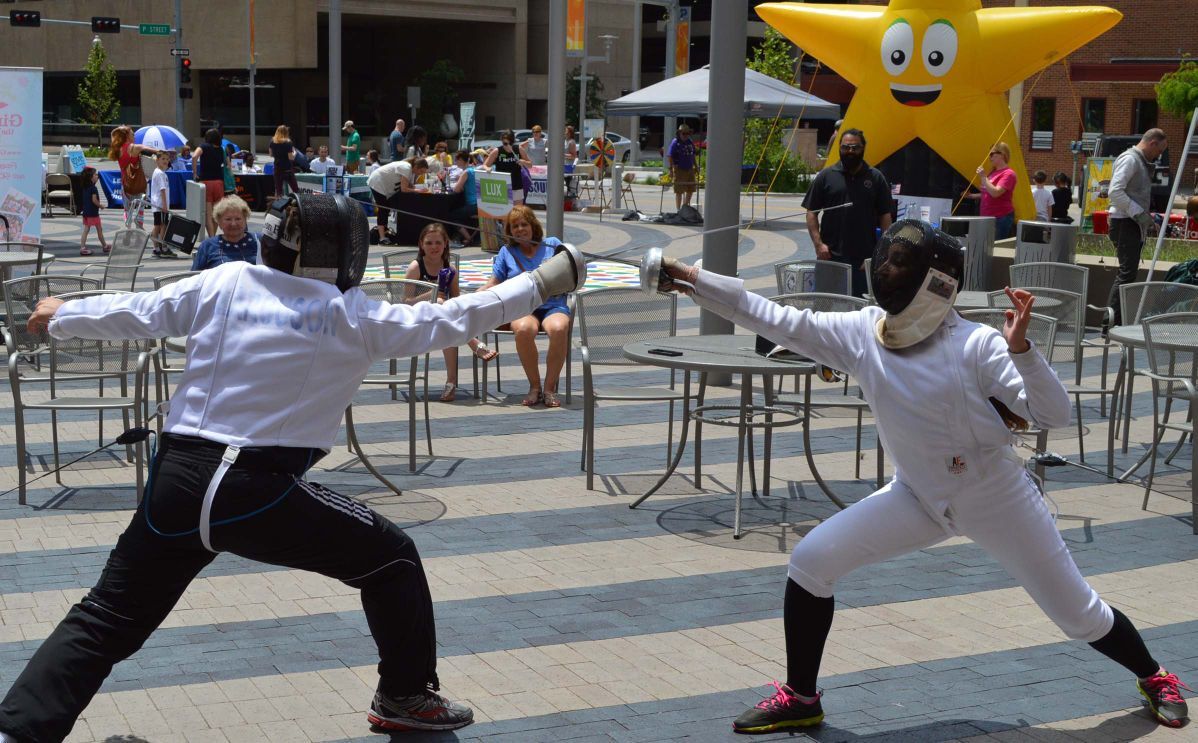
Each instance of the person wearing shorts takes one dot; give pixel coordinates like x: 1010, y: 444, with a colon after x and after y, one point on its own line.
x: 680, y: 159
x: 208, y: 164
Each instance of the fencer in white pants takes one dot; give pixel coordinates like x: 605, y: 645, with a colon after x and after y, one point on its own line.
x: 956, y: 471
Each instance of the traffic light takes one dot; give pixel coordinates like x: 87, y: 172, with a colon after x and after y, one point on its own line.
x: 26, y: 18
x: 106, y: 25
x: 185, y: 71
x: 184, y: 92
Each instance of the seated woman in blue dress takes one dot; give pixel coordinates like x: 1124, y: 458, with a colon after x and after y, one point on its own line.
x: 525, y: 251
x: 233, y: 243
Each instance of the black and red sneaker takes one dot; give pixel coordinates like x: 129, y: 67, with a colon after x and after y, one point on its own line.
x: 425, y: 711
x: 1163, y: 692
x: 782, y: 710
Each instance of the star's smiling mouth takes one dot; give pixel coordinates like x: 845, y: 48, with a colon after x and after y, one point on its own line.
x: 915, y: 95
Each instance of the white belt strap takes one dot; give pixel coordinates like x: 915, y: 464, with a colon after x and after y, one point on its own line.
x: 226, y: 461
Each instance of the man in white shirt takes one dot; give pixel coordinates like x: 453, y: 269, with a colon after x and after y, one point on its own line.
x: 321, y: 164
x: 384, y: 184
x: 273, y: 359
x: 1129, y: 219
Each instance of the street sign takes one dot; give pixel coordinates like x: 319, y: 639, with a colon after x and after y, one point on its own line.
x: 154, y: 29
x: 180, y: 52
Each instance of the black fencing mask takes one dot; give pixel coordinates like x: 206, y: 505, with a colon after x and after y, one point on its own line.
x: 915, y: 272
x: 317, y: 236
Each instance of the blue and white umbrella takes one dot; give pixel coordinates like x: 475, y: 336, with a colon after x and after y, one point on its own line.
x: 159, y: 137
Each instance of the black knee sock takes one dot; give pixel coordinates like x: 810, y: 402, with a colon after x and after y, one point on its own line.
x: 808, y: 619
x: 1124, y: 645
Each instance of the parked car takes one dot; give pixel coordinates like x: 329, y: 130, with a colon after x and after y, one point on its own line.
x: 490, y: 140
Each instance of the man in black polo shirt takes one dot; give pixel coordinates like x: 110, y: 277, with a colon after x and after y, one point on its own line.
x: 848, y: 235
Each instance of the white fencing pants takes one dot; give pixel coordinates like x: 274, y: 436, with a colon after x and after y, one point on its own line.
x: 1012, y: 524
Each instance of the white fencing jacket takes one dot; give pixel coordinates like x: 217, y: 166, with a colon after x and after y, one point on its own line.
x: 272, y: 359
x: 930, y: 401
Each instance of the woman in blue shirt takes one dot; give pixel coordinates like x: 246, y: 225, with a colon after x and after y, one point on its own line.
x: 525, y: 250
x: 467, y: 185
x: 233, y: 243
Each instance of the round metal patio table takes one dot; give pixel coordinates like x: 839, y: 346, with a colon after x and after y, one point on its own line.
x: 729, y: 354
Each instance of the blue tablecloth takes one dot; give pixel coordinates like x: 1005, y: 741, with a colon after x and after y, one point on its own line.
x: 110, y: 183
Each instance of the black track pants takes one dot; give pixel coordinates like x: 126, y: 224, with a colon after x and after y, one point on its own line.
x: 261, y: 512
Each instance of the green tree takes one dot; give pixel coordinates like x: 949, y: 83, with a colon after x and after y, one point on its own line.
x: 97, y: 91
x: 594, y: 97
x: 774, y: 56
x: 437, y: 94
x: 1177, y: 92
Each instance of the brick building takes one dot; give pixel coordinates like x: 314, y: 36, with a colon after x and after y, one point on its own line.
x: 1104, y: 87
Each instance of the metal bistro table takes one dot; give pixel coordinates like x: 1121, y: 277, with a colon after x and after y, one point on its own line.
x: 1131, y: 337
x: 727, y: 354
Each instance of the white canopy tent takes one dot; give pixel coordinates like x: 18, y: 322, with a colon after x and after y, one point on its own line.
x: 686, y: 95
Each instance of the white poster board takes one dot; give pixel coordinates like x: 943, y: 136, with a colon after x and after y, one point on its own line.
x: 592, y: 128
x: 466, y: 127
x: 538, y: 191
x: 21, y: 153
x: 494, y: 203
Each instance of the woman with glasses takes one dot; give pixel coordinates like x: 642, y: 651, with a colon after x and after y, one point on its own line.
x: 997, y: 191
x: 533, y: 148
x: 507, y: 159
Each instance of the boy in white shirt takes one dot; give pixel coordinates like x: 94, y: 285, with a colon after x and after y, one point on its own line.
x: 160, y: 200
x: 321, y: 164
x: 1042, y: 195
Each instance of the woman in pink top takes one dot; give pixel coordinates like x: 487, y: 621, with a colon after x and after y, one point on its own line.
x: 997, y: 190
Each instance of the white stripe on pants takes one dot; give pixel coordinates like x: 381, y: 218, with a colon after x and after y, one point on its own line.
x: 1011, y: 524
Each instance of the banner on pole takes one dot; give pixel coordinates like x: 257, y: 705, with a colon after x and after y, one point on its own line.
x: 576, y: 28
x: 21, y: 172
x: 682, y: 42
x: 466, y: 125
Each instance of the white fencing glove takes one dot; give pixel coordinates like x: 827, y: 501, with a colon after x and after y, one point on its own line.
x: 565, y: 272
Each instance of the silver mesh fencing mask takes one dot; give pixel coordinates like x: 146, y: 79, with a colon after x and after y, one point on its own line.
x: 327, y: 233
x: 915, y: 272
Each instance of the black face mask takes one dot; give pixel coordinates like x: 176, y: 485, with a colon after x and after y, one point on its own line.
x: 851, y: 160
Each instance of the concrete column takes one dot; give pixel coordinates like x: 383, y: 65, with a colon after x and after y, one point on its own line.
x: 555, y: 178
x: 725, y: 129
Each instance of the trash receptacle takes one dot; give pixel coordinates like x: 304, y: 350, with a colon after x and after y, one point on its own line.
x: 1054, y: 242
x: 976, y: 235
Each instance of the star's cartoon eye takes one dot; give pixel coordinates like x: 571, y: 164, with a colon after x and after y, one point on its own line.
x: 898, y: 46
x: 939, y: 48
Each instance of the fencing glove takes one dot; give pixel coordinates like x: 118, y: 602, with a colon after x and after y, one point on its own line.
x: 565, y: 272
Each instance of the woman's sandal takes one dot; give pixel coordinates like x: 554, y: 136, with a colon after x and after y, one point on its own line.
x: 449, y: 393
x: 550, y: 398
x: 85, y: 251
x: 483, y: 353
x: 532, y: 398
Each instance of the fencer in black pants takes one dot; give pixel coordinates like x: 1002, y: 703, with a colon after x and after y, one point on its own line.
x: 275, y: 353
x: 264, y: 512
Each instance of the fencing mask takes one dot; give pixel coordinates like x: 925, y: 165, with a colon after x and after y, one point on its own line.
x: 317, y: 236
x: 915, y: 272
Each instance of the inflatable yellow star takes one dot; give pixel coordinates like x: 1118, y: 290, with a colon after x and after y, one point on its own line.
x: 938, y: 70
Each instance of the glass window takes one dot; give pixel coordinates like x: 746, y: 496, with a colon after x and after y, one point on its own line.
x: 1044, y: 114
x: 1093, y: 114
x: 1143, y: 115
